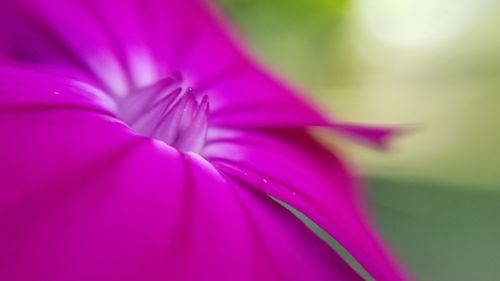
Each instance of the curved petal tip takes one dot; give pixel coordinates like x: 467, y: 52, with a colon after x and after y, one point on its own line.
x: 380, y: 137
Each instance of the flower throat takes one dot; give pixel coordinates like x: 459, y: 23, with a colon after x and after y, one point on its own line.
x: 168, y: 112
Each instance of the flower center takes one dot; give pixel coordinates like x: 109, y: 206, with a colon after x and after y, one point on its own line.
x: 168, y: 112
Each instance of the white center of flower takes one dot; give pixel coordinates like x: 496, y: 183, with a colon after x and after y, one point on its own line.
x: 168, y: 112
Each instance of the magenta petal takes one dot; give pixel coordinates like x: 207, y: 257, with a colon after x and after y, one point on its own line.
x: 254, y: 237
x: 170, y: 30
x: 210, y: 55
x: 169, y: 218
x: 125, y: 25
x: 131, y: 43
x: 83, y: 198
x: 375, y: 135
x: 46, y: 121
x: 102, y: 204
x: 291, y: 166
x: 94, y: 224
x: 253, y: 99
x: 71, y: 29
x: 30, y: 90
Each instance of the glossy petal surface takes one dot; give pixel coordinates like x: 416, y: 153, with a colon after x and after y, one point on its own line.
x: 84, y: 197
x: 314, y: 181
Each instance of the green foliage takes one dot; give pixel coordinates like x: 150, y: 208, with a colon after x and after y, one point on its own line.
x: 302, y: 39
x: 440, y: 232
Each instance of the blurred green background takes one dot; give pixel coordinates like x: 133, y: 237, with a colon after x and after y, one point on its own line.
x: 430, y: 64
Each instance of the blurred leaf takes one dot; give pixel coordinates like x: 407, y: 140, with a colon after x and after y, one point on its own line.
x: 302, y: 39
x: 441, y: 232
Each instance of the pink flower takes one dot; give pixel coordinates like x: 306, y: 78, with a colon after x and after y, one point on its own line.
x: 139, y: 143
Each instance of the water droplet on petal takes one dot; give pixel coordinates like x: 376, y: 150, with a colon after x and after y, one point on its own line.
x: 265, y: 181
x: 56, y: 93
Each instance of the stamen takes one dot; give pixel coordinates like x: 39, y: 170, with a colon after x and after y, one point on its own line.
x: 168, y: 127
x: 167, y: 112
x: 133, y: 105
x: 195, y: 136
